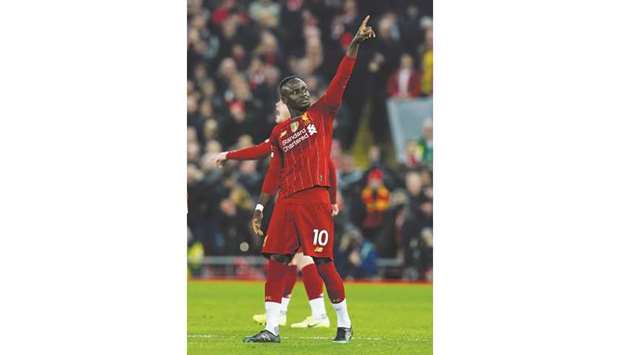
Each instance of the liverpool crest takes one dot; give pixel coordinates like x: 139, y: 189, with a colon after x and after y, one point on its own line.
x: 294, y: 126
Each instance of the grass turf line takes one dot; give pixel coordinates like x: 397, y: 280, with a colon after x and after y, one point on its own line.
x: 387, y: 319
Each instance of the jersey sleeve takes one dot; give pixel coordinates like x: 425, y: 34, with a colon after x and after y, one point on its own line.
x: 332, y: 98
x: 255, y: 152
x: 271, y: 183
x: 333, y: 182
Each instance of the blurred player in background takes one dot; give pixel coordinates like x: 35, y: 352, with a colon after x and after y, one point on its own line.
x: 305, y: 264
x: 301, y: 155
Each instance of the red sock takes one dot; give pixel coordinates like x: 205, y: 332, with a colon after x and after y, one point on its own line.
x: 312, y: 281
x: 274, y: 287
x: 333, y: 282
x: 289, y: 280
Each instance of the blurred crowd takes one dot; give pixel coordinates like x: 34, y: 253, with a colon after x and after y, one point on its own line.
x: 237, y: 53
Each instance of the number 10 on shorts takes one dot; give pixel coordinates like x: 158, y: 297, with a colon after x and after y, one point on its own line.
x: 320, y: 237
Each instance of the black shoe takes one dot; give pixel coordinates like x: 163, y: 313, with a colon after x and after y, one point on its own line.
x: 343, y: 335
x: 264, y: 336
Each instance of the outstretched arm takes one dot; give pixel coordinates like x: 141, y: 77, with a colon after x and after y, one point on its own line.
x: 254, y: 152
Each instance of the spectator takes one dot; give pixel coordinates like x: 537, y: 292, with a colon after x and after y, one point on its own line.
x: 200, y: 73
x: 355, y: 257
x: 404, y: 83
x: 198, y: 119
x: 192, y: 107
x: 190, y: 88
x: 412, y: 155
x: 249, y: 177
x: 376, y: 199
x: 416, y: 230
x: 427, y: 62
x: 209, y: 93
x: 425, y: 144
x: 266, y: 13
x: 192, y: 136
x: 224, y: 11
x: 203, y: 45
x: 234, y: 233
x: 227, y: 71
x: 235, y: 125
x: 193, y: 152
x: 348, y: 175
x: 314, y: 53
x: 344, y: 25
x: 239, y: 55
x: 376, y: 160
x: 268, y: 50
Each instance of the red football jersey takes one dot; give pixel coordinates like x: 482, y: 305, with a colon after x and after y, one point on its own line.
x: 303, y: 143
x: 271, y: 183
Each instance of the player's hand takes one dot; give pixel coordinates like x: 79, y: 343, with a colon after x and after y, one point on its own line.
x: 364, y: 32
x: 335, y: 209
x: 257, y: 219
x: 219, y: 159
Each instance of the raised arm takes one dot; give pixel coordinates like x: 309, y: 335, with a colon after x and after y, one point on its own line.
x: 333, y: 95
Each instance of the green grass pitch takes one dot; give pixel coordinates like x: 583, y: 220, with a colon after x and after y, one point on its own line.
x: 387, y: 319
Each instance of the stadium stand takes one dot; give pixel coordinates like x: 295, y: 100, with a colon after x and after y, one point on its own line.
x: 237, y: 53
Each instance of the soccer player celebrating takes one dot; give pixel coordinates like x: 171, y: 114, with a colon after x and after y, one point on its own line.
x: 310, y: 276
x: 302, y: 216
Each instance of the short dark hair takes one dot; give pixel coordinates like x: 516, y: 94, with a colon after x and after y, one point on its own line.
x: 286, y: 80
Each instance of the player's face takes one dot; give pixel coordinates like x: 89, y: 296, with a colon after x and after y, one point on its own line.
x: 296, y: 95
x: 281, y: 112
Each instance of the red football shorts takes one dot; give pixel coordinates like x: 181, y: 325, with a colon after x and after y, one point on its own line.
x: 302, y: 220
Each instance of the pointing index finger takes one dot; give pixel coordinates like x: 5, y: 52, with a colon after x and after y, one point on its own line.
x: 365, y: 20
